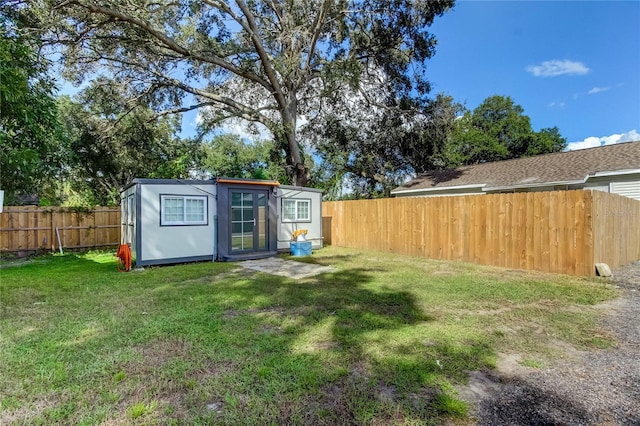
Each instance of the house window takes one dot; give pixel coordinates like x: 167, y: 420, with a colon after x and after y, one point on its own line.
x: 296, y: 210
x: 183, y: 210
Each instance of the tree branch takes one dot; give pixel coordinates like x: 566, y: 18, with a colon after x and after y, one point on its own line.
x: 317, y: 28
x: 230, y: 105
x: 277, y: 10
x: 170, y: 44
x: 180, y: 110
x: 264, y: 58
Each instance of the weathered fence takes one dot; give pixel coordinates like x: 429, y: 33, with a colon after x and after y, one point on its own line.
x: 25, y: 229
x: 562, y: 231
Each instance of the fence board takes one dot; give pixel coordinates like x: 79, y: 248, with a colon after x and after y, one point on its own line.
x: 561, y: 231
x: 616, y: 229
x: 25, y: 229
x: 545, y: 212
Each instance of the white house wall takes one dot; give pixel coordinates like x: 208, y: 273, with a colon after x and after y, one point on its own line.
x: 595, y: 186
x: 175, y: 241
x: 627, y: 189
x: 314, y: 226
x: 626, y: 185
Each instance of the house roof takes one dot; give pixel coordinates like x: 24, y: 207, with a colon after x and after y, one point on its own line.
x: 549, y: 169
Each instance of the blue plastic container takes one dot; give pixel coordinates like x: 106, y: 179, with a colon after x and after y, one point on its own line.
x: 300, y: 248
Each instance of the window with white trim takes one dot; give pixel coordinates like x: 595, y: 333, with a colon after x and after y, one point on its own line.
x: 295, y: 210
x: 183, y: 210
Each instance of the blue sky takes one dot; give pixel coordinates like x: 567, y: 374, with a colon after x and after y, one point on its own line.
x: 571, y: 64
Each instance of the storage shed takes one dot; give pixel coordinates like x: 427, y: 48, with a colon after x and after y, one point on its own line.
x: 175, y: 220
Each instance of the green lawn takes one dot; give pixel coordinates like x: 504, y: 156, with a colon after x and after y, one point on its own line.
x: 383, y: 340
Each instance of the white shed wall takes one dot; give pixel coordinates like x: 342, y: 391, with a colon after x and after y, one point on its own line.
x: 314, y: 226
x: 175, y: 241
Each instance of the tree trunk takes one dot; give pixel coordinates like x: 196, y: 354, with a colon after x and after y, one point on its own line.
x: 299, y: 173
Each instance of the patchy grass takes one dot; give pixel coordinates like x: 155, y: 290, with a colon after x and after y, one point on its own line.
x: 381, y: 341
x: 531, y: 363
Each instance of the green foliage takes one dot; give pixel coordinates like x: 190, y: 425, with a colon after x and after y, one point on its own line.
x: 423, y: 149
x: 546, y: 141
x: 230, y: 156
x: 32, y: 145
x: 371, y: 150
x: 358, y: 155
x: 498, y: 130
x: 112, y: 145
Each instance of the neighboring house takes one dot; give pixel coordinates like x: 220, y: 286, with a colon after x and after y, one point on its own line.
x: 612, y: 168
x: 175, y: 221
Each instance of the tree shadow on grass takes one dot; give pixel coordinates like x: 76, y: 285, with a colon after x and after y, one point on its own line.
x: 344, y: 322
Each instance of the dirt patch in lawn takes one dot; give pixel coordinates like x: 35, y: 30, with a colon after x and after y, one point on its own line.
x: 589, y: 387
x: 155, y: 354
x: 162, y: 397
x: 211, y: 370
x: 233, y: 313
x: 27, y: 413
x: 236, y: 273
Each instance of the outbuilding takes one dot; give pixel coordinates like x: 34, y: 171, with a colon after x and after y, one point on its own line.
x: 175, y: 220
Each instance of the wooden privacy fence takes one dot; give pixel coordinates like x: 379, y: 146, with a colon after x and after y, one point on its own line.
x: 562, y: 231
x: 25, y: 229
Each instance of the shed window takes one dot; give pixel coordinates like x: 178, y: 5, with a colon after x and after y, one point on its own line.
x: 182, y: 210
x: 294, y: 210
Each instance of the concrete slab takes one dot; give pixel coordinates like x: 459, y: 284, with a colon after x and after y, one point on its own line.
x: 286, y: 268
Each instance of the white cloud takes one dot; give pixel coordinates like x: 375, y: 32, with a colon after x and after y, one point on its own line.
x: 557, y: 105
x: 598, y: 90
x: 594, y: 141
x: 557, y: 67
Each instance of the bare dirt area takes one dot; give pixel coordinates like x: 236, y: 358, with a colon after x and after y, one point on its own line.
x: 600, y: 387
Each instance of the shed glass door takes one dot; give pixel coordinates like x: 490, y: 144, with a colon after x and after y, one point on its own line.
x: 248, y: 221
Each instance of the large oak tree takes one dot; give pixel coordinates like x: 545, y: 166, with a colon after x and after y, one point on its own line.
x: 266, y: 62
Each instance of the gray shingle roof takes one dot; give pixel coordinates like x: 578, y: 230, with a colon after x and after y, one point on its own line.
x: 571, y: 166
